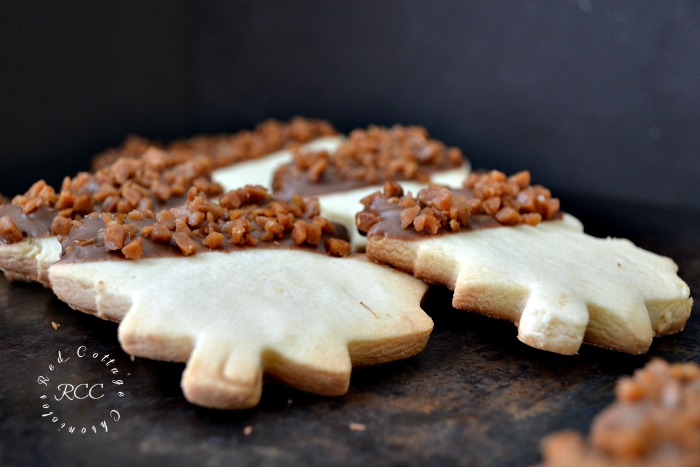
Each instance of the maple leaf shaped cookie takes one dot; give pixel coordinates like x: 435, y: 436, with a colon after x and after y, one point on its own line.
x: 241, y: 288
x: 301, y: 318
x: 560, y: 286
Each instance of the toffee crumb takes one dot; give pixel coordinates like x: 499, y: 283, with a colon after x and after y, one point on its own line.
x: 654, y: 421
x: 269, y: 136
x: 357, y: 426
x: 9, y: 232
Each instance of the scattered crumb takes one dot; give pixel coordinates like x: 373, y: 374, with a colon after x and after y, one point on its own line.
x: 248, y: 430
x: 358, y: 426
x: 55, y: 325
x: 369, y: 309
x: 289, y: 402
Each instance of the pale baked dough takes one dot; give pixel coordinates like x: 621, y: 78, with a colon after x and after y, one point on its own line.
x: 260, y: 171
x: 560, y: 286
x: 301, y: 318
x: 341, y: 207
x: 29, y: 259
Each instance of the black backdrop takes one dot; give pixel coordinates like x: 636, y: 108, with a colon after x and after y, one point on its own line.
x: 596, y: 98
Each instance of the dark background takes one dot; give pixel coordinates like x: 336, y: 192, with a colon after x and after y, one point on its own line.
x: 596, y: 98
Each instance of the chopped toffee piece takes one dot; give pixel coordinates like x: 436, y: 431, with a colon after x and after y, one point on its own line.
x: 511, y: 199
x: 487, y: 200
x: 9, y: 232
x: 245, y: 217
x: 133, y: 147
x: 151, y: 182
x: 655, y: 421
x: 368, y: 157
x: 269, y: 136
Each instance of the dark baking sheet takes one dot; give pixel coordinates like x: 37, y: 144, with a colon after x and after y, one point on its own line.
x: 475, y: 396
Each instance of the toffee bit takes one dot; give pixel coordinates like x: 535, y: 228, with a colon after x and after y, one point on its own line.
x: 185, y: 243
x: 338, y: 247
x: 9, y: 232
x: 269, y: 136
x: 61, y: 225
x: 86, y: 242
x: 55, y: 325
x: 357, y: 426
x: 133, y: 250
x: 214, y: 240
x: 114, y: 236
x: 365, y: 220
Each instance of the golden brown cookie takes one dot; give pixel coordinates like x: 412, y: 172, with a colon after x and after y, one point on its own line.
x: 242, y: 291
x: 507, y: 252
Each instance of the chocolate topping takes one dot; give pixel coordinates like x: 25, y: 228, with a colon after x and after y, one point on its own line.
x: 488, y: 200
x: 368, y: 157
x: 269, y: 136
x: 140, y: 176
x: 132, y: 148
x: 243, y: 218
x: 154, y: 181
x: 34, y: 224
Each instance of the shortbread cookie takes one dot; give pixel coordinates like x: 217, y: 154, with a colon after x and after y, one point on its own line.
x: 654, y: 422
x: 29, y: 225
x: 507, y: 252
x: 362, y: 164
x: 260, y: 298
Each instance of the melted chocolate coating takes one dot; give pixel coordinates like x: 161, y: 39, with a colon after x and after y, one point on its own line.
x: 85, y: 243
